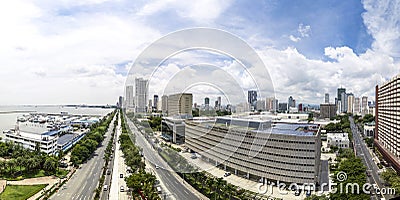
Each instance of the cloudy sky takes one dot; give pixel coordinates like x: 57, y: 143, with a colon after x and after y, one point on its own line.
x: 64, y: 52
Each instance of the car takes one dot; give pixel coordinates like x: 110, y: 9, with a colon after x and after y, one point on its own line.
x: 121, y: 189
x: 121, y: 175
x: 227, y: 174
x: 105, y: 187
x: 108, y: 172
x: 157, y: 166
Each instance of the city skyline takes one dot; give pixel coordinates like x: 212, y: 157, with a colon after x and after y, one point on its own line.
x: 84, y: 54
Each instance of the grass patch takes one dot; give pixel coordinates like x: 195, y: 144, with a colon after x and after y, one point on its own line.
x: 22, y: 175
x: 20, y: 192
x: 61, y: 173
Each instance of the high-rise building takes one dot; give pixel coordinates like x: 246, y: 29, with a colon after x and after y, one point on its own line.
x: 282, y: 107
x: 387, y: 121
x: 357, y: 106
x: 364, y: 105
x: 141, y: 92
x: 350, y: 103
x: 219, y: 103
x: 344, y: 102
x: 327, y: 110
x: 260, y: 105
x: 339, y: 93
x: 206, y: 103
x: 155, y: 99
x: 129, y: 97
x: 326, y: 97
x: 164, y: 104
x: 291, y: 102
x: 150, y: 106
x: 120, y: 101
x: 252, y: 97
x: 180, y: 105
x: 271, y: 104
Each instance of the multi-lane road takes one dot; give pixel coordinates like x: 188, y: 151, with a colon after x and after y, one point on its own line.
x: 175, y: 185
x: 362, y: 152
x: 84, y: 182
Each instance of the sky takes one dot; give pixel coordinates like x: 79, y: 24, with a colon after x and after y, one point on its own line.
x: 80, y: 52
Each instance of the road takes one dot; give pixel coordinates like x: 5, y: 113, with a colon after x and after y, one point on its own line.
x: 119, y: 168
x: 362, y: 152
x: 167, y: 176
x: 84, y: 182
x: 104, y: 195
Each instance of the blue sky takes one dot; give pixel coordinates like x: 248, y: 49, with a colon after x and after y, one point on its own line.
x: 80, y: 52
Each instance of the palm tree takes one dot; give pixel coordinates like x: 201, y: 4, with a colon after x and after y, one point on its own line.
x: 20, y: 162
x: 11, y: 164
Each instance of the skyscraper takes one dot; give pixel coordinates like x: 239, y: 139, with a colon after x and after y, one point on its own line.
x: 206, y: 103
x: 339, y: 93
x: 364, y: 105
x: 180, y: 105
x: 357, y: 106
x: 155, y: 99
x: 164, y: 104
x: 344, y: 102
x: 251, y: 97
x: 272, y: 104
x: 350, y: 103
x: 129, y: 97
x: 387, y: 123
x: 219, y: 103
x: 141, y: 92
x: 120, y: 101
x: 291, y: 102
x: 326, y: 97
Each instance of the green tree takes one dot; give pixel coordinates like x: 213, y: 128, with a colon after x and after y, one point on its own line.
x: 50, y: 165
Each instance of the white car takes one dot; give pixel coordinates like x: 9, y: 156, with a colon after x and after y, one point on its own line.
x: 157, y: 167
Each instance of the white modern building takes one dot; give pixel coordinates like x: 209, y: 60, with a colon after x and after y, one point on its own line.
x: 29, y: 135
x: 141, y: 95
x: 129, y: 96
x: 340, y: 140
x: 258, y: 149
x: 369, y: 129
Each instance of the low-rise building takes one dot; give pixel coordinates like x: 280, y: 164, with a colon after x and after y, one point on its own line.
x: 340, y: 140
x: 369, y: 129
x: 173, y: 128
x: 258, y: 149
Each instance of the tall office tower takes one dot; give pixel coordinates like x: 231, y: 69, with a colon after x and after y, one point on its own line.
x: 120, y: 101
x: 364, y: 105
x: 150, y: 106
x: 344, y: 102
x: 339, y: 93
x: 206, y: 103
x: 326, y: 97
x: 251, y: 97
x: 164, y: 104
x: 327, y: 110
x: 180, y: 105
x: 387, y: 123
x: 155, y: 99
x: 350, y: 103
x: 271, y: 104
x: 291, y: 102
x: 357, y: 106
x: 129, y: 97
x: 219, y: 102
x: 141, y: 92
x: 260, y: 105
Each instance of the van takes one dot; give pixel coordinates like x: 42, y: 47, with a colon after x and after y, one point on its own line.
x: 159, y: 191
x: 105, y: 187
x: 121, y: 189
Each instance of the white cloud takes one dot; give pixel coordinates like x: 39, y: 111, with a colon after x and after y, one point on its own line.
x: 294, y: 39
x: 201, y: 12
x: 304, y: 30
x: 382, y: 19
